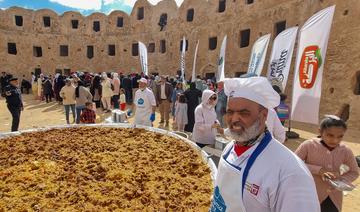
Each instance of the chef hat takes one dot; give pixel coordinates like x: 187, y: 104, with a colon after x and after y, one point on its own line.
x: 256, y: 89
x: 143, y: 80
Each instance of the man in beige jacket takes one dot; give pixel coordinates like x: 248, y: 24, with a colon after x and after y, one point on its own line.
x: 67, y: 93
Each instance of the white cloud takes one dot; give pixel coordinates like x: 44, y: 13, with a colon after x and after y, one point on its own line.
x: 106, y: 2
x: 129, y: 2
x: 96, y: 4
x: 154, y: 2
x: 81, y: 4
x: 28, y: 7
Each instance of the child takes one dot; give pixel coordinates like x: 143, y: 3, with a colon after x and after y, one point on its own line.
x: 324, y: 156
x: 283, y: 109
x: 122, y: 100
x: 181, y: 118
x: 88, y: 115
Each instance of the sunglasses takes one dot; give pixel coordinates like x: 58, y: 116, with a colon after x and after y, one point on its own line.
x: 213, y: 98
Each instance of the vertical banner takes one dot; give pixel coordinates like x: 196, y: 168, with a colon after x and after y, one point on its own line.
x: 258, y: 54
x: 143, y: 58
x: 182, y: 59
x: 281, y: 54
x: 193, y: 75
x: 313, y: 40
x: 221, y: 62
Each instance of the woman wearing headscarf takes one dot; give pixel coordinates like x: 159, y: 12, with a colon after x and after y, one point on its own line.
x: 82, y: 95
x: 206, y: 124
x: 47, y: 89
x: 58, y: 85
x: 40, y: 87
x: 178, y: 90
x: 34, y: 85
x: 96, y: 90
x: 106, y: 92
x: 116, y: 90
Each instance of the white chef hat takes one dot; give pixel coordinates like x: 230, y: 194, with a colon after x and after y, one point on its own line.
x: 143, y: 80
x: 256, y: 89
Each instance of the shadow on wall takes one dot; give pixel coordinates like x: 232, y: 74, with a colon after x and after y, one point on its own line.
x: 356, y: 83
x: 344, y: 112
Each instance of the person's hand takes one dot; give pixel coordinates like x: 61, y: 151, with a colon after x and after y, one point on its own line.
x: 216, y: 125
x: 129, y: 112
x: 220, y: 131
x: 325, y: 174
x: 152, y: 117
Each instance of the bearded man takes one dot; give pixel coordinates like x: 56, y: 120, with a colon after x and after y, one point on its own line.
x: 145, y: 105
x: 257, y: 173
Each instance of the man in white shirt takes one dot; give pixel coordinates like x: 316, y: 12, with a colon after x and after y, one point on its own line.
x: 256, y: 173
x: 145, y: 104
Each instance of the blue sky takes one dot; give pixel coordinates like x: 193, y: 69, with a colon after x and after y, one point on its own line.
x: 85, y: 7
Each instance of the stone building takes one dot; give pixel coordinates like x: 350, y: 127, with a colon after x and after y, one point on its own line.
x: 43, y: 41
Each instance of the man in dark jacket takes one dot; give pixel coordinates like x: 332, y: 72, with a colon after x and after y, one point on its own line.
x: 47, y: 89
x: 14, y: 102
x: 163, y: 98
x: 25, y: 85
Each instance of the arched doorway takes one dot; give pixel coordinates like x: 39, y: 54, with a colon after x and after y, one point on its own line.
x: 208, y: 71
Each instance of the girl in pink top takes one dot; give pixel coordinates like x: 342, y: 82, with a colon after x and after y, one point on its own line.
x: 324, y: 156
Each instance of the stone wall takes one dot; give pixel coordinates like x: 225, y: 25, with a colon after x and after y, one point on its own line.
x: 341, y: 66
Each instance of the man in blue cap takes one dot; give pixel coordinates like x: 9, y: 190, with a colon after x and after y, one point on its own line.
x: 14, y: 102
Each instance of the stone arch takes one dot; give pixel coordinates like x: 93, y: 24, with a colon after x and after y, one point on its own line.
x: 137, y: 5
x: 199, y: 6
x: 207, y: 70
x: 66, y: 22
x: 39, y: 22
x: 96, y: 17
x: 112, y: 23
x: 9, y: 14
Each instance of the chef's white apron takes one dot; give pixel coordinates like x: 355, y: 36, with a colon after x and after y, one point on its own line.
x: 143, y: 111
x: 231, y: 177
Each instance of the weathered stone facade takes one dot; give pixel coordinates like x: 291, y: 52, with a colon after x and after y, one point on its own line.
x: 341, y: 66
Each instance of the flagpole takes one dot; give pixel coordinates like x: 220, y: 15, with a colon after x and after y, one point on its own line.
x: 290, y: 134
x: 194, y: 64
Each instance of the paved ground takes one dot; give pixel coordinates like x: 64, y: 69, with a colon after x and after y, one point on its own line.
x: 40, y: 114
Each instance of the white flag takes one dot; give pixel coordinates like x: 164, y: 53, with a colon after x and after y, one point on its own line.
x: 193, y: 75
x: 313, y: 40
x: 281, y: 54
x: 143, y: 58
x: 221, y: 62
x: 258, y: 54
x: 182, y: 59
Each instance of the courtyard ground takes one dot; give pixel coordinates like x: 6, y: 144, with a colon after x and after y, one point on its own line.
x: 40, y: 114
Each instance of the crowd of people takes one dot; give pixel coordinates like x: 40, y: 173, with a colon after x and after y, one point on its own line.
x: 174, y: 98
x: 255, y: 112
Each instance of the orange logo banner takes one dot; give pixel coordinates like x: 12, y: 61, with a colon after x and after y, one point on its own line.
x: 310, y: 63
